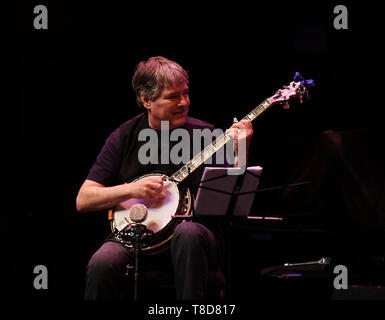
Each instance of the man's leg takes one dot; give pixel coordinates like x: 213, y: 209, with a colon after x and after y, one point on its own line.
x: 106, y: 271
x: 194, y: 252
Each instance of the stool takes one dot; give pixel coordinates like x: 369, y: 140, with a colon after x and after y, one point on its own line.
x: 217, y: 285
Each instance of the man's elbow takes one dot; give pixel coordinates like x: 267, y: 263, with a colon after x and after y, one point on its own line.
x: 80, y: 204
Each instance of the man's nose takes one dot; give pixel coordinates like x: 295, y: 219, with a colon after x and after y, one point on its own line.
x: 183, y: 102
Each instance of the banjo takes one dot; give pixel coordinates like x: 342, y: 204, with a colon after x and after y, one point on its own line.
x: 160, y: 222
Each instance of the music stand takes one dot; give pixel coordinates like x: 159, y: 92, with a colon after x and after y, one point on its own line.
x: 224, y: 194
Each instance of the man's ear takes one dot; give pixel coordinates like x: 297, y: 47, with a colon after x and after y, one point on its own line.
x: 146, y: 102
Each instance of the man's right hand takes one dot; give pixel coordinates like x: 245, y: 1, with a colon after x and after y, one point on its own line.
x: 150, y: 189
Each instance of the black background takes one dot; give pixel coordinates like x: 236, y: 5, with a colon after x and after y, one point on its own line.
x: 73, y: 89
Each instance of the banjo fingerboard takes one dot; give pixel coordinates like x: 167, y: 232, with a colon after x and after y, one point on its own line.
x: 212, y: 148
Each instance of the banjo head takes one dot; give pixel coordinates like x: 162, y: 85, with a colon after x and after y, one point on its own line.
x: 159, y: 219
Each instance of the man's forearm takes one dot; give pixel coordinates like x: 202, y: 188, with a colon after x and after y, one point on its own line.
x: 96, y: 198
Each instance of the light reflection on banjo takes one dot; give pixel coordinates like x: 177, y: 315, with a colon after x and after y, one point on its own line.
x: 178, y: 201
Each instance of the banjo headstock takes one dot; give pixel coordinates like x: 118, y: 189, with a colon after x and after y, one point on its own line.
x: 297, y: 88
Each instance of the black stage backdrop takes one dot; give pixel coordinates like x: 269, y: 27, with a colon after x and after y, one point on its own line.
x: 73, y: 89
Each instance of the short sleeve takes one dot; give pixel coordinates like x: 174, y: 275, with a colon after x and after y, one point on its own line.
x: 106, y: 167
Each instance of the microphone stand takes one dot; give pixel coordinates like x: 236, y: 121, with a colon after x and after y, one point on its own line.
x: 138, y: 232
x: 137, y: 247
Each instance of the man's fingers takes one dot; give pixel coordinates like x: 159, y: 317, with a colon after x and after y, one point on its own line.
x: 243, y: 124
x: 232, y: 132
x: 156, y: 187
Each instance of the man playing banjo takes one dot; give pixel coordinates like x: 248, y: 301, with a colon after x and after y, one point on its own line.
x: 161, y: 87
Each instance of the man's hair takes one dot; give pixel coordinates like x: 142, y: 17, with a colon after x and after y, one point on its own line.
x: 155, y: 74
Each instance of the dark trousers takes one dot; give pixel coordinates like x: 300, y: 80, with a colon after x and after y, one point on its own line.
x: 193, y: 254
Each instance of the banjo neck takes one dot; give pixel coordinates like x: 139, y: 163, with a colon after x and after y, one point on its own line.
x: 296, y: 88
x: 217, y: 144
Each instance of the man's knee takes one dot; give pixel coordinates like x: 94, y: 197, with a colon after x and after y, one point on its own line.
x: 110, y: 258
x: 190, y: 232
x: 193, y: 235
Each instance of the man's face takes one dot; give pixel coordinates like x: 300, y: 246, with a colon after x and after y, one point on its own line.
x: 172, y: 105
